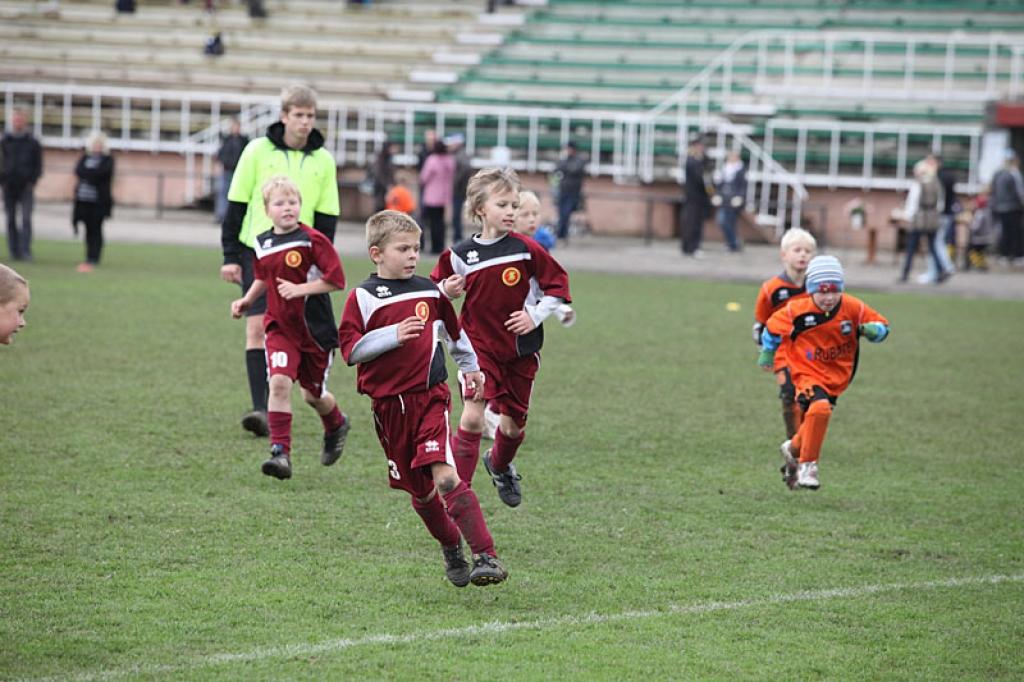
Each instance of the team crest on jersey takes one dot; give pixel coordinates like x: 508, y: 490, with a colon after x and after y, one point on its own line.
x: 810, y: 321
x: 845, y: 327
x: 783, y: 294
x: 293, y: 259
x: 383, y: 291
x: 423, y: 311
x: 472, y: 257
x: 511, y: 276
x: 267, y: 243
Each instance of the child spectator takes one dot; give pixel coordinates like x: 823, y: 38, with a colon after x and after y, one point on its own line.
x: 297, y: 268
x: 14, y: 298
x: 797, y: 249
x: 983, y: 233
x: 392, y: 329
x: 399, y: 197
x: 824, y: 329
x: 512, y: 285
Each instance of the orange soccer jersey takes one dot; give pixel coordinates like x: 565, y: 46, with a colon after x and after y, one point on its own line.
x: 823, y: 346
x: 774, y: 294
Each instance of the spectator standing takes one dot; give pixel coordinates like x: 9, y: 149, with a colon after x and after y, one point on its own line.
x: 93, y: 199
x: 1007, y: 201
x: 570, y: 171
x: 437, y: 180
x: 730, y: 193
x: 463, y: 172
x: 924, y: 202
x: 947, y: 221
x: 22, y: 167
x: 422, y: 153
x: 215, y: 45
x: 695, y: 200
x: 230, y: 151
x: 383, y: 175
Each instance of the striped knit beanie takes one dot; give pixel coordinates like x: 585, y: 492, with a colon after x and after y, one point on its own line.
x: 824, y: 273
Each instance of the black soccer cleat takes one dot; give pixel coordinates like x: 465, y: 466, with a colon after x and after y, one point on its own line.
x: 455, y: 565
x: 507, y: 482
x: 279, y: 465
x: 487, y: 570
x: 334, y: 443
x: 255, y: 422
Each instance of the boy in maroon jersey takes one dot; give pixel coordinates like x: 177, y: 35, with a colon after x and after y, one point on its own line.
x: 297, y: 268
x: 512, y: 285
x: 393, y: 327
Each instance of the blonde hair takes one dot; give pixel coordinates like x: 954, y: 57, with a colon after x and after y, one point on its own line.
x: 797, y: 235
x: 279, y: 184
x: 94, y: 137
x: 10, y: 281
x: 383, y: 225
x: 483, y: 184
x: 527, y: 194
x: 297, y: 96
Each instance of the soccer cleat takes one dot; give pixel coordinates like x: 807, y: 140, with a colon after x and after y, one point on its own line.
x: 334, y: 443
x: 455, y: 565
x: 256, y: 422
x: 807, y: 476
x: 487, y: 570
x: 279, y: 465
x: 789, y: 465
x: 507, y: 482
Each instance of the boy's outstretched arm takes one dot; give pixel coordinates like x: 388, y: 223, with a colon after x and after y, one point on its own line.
x: 875, y: 332
x: 240, y: 305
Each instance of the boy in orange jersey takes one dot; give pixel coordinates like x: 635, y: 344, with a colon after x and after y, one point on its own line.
x: 824, y: 329
x: 797, y: 247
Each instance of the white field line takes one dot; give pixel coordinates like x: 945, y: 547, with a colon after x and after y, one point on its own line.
x: 499, y: 627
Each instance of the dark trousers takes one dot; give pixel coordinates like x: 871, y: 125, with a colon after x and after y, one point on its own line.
x: 433, y: 216
x: 567, y: 203
x: 692, y: 226
x: 1011, y: 240
x: 913, y: 238
x: 458, y: 203
x: 19, y: 241
x: 727, y: 216
x: 92, y: 216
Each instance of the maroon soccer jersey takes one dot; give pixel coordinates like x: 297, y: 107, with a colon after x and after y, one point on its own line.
x: 369, y: 323
x: 502, y: 277
x: 301, y: 256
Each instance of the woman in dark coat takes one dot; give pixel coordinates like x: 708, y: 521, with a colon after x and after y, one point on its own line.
x: 93, y: 203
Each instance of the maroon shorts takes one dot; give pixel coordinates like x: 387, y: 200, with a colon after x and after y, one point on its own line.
x: 310, y: 369
x: 413, y: 430
x: 507, y: 385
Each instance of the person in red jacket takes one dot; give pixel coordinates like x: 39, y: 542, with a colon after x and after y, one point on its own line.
x: 824, y: 330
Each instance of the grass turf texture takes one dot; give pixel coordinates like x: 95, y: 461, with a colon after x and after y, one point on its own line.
x: 141, y: 540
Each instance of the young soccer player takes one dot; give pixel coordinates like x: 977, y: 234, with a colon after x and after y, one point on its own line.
x: 296, y: 268
x: 14, y: 298
x: 797, y: 249
x: 392, y: 328
x: 512, y: 285
x: 825, y: 329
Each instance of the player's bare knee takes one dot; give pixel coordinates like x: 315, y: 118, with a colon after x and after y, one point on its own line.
x: 446, y: 482
x: 472, y: 419
x: 254, y: 335
x: 280, y: 386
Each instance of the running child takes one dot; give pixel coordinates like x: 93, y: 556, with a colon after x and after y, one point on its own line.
x: 512, y: 285
x: 797, y: 249
x: 14, y: 298
x: 824, y: 329
x: 297, y: 268
x: 392, y: 328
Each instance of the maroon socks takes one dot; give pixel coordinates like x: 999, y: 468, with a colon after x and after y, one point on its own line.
x: 504, y: 450
x: 466, y: 449
x: 437, y: 521
x: 281, y: 429
x: 464, y: 508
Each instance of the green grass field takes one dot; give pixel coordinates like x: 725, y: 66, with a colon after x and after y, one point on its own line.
x: 655, y: 539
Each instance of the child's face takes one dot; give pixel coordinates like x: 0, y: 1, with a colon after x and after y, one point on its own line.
x: 499, y: 212
x: 398, y: 257
x: 283, y: 210
x: 12, y: 314
x: 797, y: 256
x: 827, y: 301
x: 528, y: 216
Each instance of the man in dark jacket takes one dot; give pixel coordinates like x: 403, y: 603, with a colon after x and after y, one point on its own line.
x: 696, y: 202
x: 22, y: 167
x: 570, y: 186
x: 1007, y: 202
x: 230, y: 151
